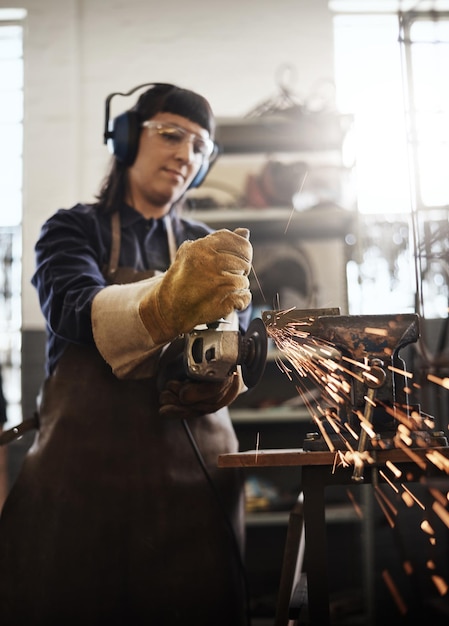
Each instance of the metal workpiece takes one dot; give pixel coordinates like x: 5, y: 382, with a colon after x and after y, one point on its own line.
x: 355, y: 361
x: 364, y: 339
x: 358, y: 335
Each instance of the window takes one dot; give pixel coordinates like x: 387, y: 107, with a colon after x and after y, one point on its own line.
x: 390, y: 71
x: 11, y: 131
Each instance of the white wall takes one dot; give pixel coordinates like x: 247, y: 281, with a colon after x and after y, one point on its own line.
x: 78, y: 51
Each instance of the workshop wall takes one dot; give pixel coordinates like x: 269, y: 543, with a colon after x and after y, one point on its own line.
x: 78, y: 51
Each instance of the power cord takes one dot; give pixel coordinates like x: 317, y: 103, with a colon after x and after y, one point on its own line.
x: 217, y: 495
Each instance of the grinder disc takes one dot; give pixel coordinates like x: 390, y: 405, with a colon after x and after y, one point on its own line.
x: 254, y: 345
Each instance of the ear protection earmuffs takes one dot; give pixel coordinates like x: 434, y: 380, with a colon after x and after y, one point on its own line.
x: 122, y: 134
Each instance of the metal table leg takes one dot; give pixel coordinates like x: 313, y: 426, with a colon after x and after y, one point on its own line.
x: 313, y: 485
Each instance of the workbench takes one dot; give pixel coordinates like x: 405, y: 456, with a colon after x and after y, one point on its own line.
x: 320, y: 469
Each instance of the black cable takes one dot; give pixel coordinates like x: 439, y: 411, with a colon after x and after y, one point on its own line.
x: 229, y: 525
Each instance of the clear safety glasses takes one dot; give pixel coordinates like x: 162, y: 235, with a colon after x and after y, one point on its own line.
x: 173, y: 135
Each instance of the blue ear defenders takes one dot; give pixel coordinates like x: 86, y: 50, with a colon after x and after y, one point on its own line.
x: 122, y: 134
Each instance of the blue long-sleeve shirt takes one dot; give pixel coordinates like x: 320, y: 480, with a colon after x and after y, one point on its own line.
x: 72, y: 250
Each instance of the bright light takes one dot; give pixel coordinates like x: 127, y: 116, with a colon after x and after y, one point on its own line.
x: 391, y: 75
x: 430, y: 62
x: 395, y: 144
x: 369, y: 85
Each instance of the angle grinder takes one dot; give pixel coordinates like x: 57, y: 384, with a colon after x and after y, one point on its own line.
x: 213, y: 353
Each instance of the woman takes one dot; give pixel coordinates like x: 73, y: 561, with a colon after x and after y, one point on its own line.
x: 112, y: 519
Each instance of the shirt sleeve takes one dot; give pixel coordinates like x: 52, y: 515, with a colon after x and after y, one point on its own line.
x: 69, y: 255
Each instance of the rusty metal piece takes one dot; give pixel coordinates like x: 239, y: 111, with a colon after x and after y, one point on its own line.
x: 360, y: 339
x: 359, y: 335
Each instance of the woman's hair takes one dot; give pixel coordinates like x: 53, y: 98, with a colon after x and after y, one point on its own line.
x: 159, y: 98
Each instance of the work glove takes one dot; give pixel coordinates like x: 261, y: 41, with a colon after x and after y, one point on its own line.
x: 191, y: 398
x: 206, y: 282
x: 183, y: 397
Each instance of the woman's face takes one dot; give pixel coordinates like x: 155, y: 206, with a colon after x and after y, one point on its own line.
x: 171, y: 151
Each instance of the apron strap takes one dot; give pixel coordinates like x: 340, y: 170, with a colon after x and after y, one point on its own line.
x: 115, y: 244
x: 172, y: 247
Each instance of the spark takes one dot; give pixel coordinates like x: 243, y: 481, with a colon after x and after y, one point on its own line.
x: 364, y: 422
x: 443, y: 382
x: 358, y: 458
x: 363, y: 366
x: 438, y: 496
x: 339, y: 460
x: 282, y: 366
x: 404, y: 434
x: 293, y: 208
x: 387, y: 480
x: 413, y: 497
x: 259, y: 286
x: 429, y: 421
x: 387, y: 500
x: 383, y: 508
x: 427, y: 528
x: 351, y: 431
x: 355, y: 504
x: 324, y: 434
x: 412, y: 455
x: 383, y: 332
x: 406, y: 497
x: 333, y: 423
x: 394, y: 591
x: 442, y: 513
x: 321, y: 363
x: 440, y: 584
x: 439, y: 460
x: 393, y: 469
x: 396, y: 370
x: 310, y: 359
x: 399, y: 415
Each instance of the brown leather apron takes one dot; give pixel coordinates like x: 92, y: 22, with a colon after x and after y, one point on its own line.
x: 111, y: 520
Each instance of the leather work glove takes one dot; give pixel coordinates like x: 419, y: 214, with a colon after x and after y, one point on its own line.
x: 188, y: 398
x: 207, y: 281
x: 183, y: 397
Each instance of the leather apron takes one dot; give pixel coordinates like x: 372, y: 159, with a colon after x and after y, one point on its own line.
x: 111, y: 519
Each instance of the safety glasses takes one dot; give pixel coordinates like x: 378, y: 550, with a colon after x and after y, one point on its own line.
x: 173, y: 135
